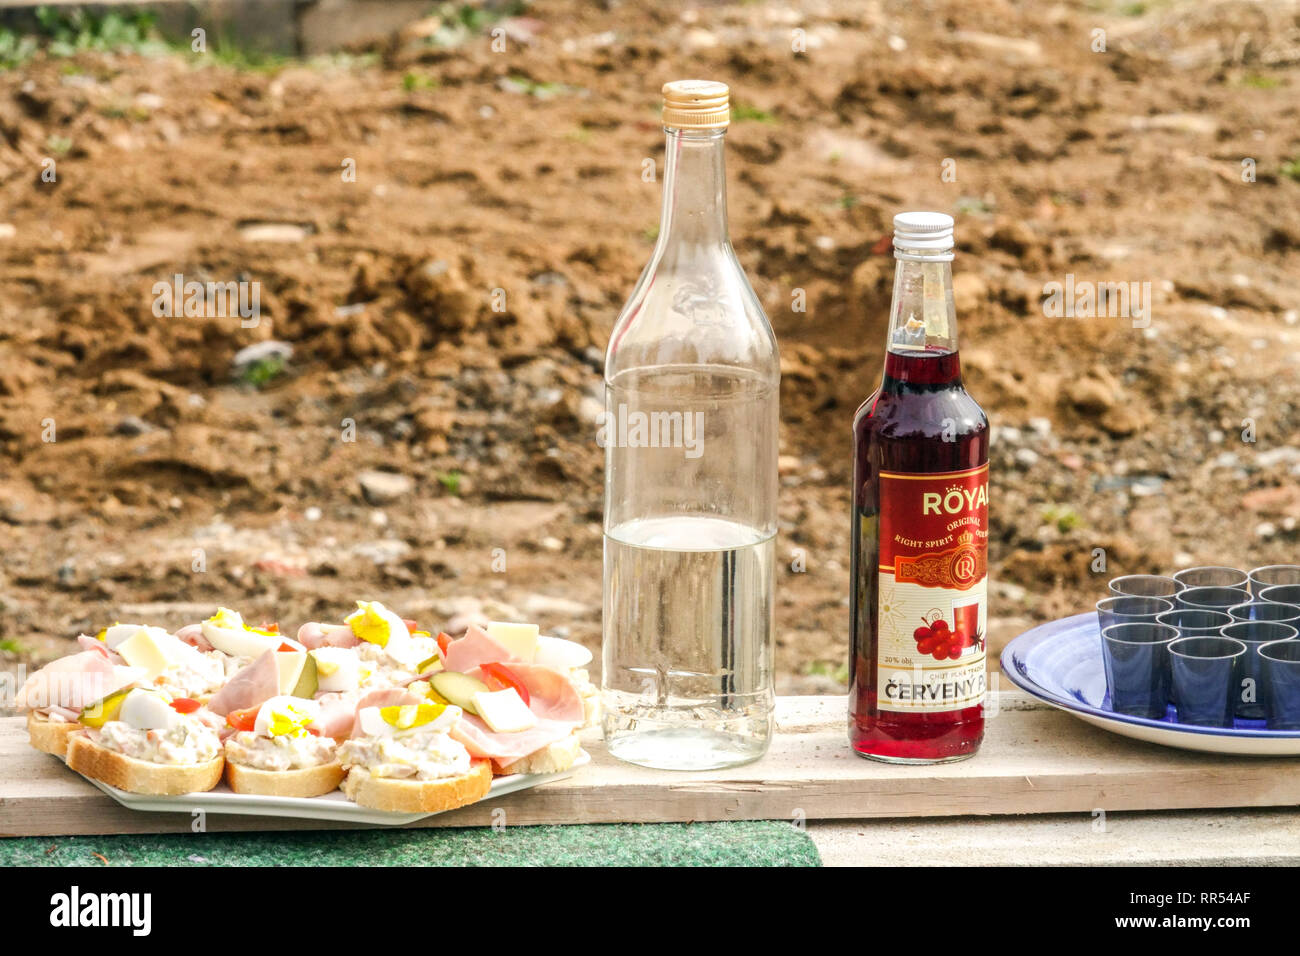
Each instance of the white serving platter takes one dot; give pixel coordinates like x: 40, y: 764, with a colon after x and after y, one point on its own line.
x: 331, y: 806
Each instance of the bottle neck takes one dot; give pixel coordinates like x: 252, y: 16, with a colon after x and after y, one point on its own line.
x: 695, y: 189
x: 922, y: 345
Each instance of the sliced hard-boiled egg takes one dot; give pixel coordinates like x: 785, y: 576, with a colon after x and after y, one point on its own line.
x: 285, y: 716
x: 338, y: 669
x: 406, y: 716
x: 375, y: 624
x: 401, y: 718
x: 227, y: 632
x: 147, y: 710
x: 413, y: 653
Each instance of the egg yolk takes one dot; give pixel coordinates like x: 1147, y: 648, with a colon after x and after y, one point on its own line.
x: 369, y: 624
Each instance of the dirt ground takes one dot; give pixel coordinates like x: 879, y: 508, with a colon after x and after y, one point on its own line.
x: 143, y: 476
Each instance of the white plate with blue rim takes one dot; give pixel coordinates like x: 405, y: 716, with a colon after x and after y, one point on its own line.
x: 1060, y: 664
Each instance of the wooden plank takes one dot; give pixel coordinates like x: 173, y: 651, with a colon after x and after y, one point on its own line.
x: 1034, y: 760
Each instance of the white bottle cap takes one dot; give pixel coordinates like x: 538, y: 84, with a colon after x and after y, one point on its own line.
x: 923, y: 232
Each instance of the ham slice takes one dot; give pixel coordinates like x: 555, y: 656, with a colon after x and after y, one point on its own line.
x: 473, y: 649
x: 551, y: 694
x: 96, y: 646
x: 383, y: 697
x: 74, y: 681
x: 192, y: 634
x: 481, y: 741
x: 251, y: 687
x: 313, y: 635
x: 338, y: 715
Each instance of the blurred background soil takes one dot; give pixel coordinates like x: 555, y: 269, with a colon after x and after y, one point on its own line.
x: 422, y: 447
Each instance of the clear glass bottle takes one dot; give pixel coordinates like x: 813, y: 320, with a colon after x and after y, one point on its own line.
x: 692, y: 377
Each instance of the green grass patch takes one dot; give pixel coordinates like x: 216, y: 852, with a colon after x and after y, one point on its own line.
x: 460, y: 21
x: 837, y: 671
x: 227, y: 51
x: 71, y: 30
x: 541, y: 91
x: 262, y: 372
x: 411, y: 82
x: 745, y: 113
x: 15, y: 49
x: 1291, y: 169
x: 1259, y: 81
x: 450, y: 483
x: 67, y: 31
x: 1065, y: 519
x: 972, y: 206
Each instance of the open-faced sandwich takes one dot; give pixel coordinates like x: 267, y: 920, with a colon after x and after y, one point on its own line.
x: 275, y: 749
x: 521, y: 714
x: 402, y: 758
x: 55, y: 695
x: 143, y: 741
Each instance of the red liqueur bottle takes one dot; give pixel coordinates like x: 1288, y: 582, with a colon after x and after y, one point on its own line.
x: 918, y: 608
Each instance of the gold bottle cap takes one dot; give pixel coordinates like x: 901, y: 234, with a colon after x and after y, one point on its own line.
x: 697, y: 104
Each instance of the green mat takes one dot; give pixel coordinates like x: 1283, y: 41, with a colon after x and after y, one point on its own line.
x: 748, y: 843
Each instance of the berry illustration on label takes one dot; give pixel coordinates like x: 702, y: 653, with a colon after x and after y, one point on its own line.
x: 937, y: 639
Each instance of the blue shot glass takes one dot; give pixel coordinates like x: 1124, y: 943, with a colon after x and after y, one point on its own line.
x: 1136, y: 659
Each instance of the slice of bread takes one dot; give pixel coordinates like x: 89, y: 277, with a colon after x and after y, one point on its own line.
x: 552, y: 759
x: 418, y: 796
x: 50, y: 735
x: 303, y: 782
x: 140, y: 776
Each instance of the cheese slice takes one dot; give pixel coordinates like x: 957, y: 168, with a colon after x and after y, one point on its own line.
x: 143, y: 650
x: 504, y: 711
x: 521, y: 639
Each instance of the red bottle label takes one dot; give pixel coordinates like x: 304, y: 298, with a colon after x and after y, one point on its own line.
x: 934, y: 534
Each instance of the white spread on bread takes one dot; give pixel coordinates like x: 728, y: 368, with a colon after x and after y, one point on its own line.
x: 425, y: 752
x: 278, y: 753
x: 185, y: 742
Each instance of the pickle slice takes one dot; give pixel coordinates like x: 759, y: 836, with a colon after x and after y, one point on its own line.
x: 458, y: 689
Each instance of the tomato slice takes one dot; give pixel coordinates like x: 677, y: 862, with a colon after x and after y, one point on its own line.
x: 185, y: 705
x: 504, y: 677
x: 245, y: 719
x: 443, y: 640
